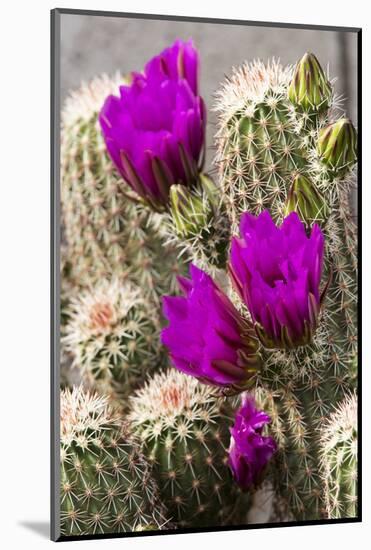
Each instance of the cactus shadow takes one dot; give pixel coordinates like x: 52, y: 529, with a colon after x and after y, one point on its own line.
x: 42, y: 528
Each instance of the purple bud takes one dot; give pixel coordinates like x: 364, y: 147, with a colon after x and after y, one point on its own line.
x: 250, y: 451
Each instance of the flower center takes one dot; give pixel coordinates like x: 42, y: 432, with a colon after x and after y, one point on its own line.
x: 101, y: 316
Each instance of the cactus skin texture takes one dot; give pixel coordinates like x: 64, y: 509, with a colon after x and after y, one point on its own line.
x: 184, y: 432
x: 264, y: 143
x: 339, y: 460
x: 113, y: 335
x: 198, y: 225
x: 106, y: 486
x: 106, y: 234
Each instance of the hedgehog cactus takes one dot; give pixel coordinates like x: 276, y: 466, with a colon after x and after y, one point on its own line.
x: 106, y: 233
x: 274, y: 130
x: 339, y: 460
x: 106, y: 484
x: 112, y: 334
x: 270, y: 306
x: 184, y: 431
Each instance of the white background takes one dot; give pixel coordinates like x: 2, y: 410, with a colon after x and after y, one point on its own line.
x: 24, y: 269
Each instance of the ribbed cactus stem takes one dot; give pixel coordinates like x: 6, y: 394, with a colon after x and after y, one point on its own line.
x: 183, y: 427
x: 339, y: 448
x: 106, y: 484
x: 269, y: 158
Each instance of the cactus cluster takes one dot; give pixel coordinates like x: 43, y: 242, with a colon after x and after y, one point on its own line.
x: 106, y: 483
x: 265, y: 329
x: 183, y: 428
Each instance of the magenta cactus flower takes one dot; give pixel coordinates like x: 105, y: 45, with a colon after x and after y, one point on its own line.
x: 176, y: 62
x: 155, y: 130
x: 277, y: 273
x: 250, y: 451
x: 207, y: 337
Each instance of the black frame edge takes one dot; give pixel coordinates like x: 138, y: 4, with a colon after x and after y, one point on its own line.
x: 194, y: 19
x: 359, y: 255
x: 196, y: 530
x: 55, y: 271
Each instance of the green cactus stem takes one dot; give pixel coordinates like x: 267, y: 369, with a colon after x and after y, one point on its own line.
x: 339, y: 460
x: 268, y: 155
x: 183, y: 427
x: 106, y: 484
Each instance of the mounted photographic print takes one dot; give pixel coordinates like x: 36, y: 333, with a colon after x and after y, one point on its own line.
x: 205, y: 205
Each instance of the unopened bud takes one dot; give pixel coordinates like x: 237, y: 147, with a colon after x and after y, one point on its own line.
x: 310, y: 88
x: 337, y: 146
x: 192, y: 209
x: 305, y: 199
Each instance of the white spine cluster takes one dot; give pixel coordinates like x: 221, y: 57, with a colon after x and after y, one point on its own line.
x: 170, y: 399
x: 248, y: 85
x: 83, y: 416
x: 89, y: 98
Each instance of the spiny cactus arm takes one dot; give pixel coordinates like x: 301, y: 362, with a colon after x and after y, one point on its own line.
x: 183, y: 427
x: 339, y: 459
x: 106, y: 483
x: 269, y: 137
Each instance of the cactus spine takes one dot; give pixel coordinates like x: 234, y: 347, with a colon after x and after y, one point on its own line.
x: 184, y: 431
x: 113, y: 336
x: 265, y: 143
x: 198, y: 225
x: 339, y: 460
x: 105, y: 481
x: 106, y: 233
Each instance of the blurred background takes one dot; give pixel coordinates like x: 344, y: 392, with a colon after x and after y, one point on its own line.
x: 91, y: 45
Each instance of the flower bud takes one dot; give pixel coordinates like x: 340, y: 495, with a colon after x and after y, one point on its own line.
x: 337, y: 146
x: 309, y: 88
x: 250, y: 451
x: 305, y: 199
x: 191, y: 209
